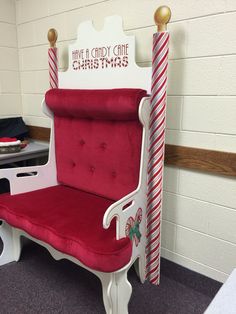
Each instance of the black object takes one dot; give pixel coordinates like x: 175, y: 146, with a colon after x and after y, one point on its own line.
x: 4, y: 186
x: 13, y: 127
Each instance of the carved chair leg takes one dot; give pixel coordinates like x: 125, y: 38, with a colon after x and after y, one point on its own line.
x: 11, y: 244
x: 124, y: 291
x: 116, y: 292
x: 107, y: 281
x: 140, y: 268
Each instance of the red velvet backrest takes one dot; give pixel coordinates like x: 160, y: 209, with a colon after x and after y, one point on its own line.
x: 98, y: 139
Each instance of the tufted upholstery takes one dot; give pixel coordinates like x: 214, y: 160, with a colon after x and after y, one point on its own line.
x: 98, y: 139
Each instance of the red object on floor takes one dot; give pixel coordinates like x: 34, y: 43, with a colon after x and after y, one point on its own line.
x: 71, y: 221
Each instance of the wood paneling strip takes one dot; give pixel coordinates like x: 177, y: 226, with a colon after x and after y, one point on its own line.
x: 39, y: 133
x: 201, y: 159
x: 184, y: 157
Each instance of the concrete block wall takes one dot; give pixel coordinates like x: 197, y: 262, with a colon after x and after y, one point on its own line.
x: 199, y: 210
x: 10, y: 94
x: 199, y: 221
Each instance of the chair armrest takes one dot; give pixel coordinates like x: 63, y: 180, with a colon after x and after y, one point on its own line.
x: 116, y: 209
x: 123, y: 209
x: 26, y: 179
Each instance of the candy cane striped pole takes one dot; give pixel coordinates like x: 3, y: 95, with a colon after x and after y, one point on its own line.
x: 157, y: 143
x: 52, y: 58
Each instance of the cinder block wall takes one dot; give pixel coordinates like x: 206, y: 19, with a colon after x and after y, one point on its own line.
x: 10, y: 98
x: 199, y: 214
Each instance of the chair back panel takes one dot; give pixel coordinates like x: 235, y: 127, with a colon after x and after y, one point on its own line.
x: 97, y: 139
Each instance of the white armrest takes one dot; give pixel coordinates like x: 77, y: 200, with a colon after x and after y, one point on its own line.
x: 116, y: 209
x: 122, y: 210
x: 38, y: 177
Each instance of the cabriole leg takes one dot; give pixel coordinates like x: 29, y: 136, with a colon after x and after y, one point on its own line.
x: 107, y: 280
x: 139, y: 266
x: 116, y: 292
x: 11, y: 244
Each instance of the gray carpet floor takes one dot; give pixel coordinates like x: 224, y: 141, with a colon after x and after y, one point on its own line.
x: 38, y: 284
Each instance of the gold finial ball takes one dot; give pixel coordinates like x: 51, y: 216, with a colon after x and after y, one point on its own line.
x: 162, y: 16
x: 52, y: 36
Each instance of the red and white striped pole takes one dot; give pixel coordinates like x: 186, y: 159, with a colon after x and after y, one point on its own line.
x: 52, y: 58
x: 157, y: 143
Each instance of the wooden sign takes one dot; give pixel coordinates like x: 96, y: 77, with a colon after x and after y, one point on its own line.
x: 104, y: 59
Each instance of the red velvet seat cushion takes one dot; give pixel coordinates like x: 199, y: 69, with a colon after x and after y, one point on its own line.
x: 71, y: 221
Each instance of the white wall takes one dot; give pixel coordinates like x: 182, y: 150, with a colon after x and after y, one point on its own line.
x: 10, y: 99
x: 199, y: 214
x: 199, y: 222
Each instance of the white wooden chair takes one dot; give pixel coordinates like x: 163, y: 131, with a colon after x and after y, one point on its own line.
x: 79, y: 182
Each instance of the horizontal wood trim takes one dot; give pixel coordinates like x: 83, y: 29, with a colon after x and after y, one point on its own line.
x: 184, y: 157
x: 39, y: 133
x: 201, y: 159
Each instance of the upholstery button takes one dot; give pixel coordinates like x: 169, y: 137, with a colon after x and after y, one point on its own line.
x: 73, y: 164
x: 92, y: 169
x: 113, y: 174
x: 103, y: 146
x: 82, y: 142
